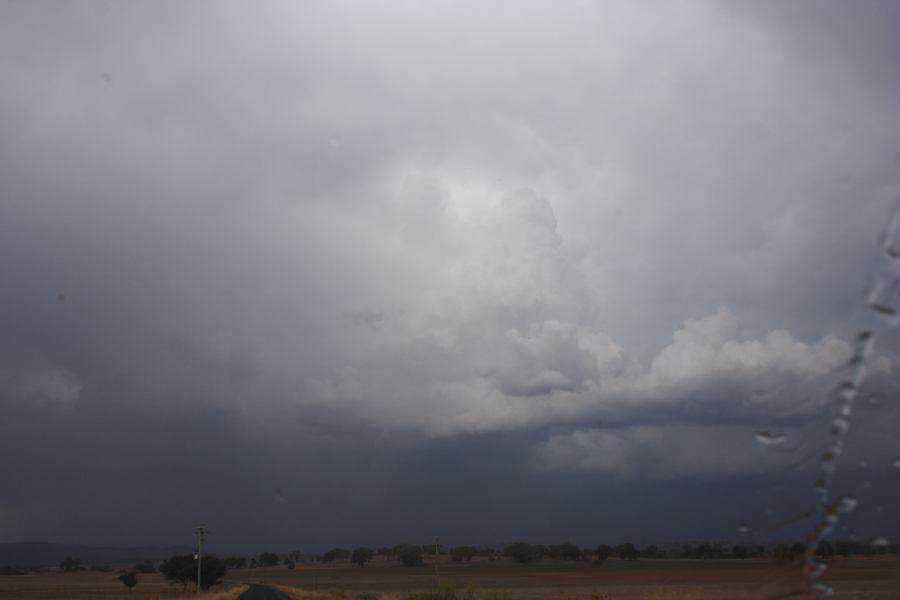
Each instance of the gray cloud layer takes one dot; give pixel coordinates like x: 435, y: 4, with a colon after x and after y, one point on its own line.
x: 316, y: 242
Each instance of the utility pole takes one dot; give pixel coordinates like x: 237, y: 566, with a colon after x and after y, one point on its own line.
x: 201, y: 532
x: 437, y: 579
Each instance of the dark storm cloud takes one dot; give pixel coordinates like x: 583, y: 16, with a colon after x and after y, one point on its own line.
x: 296, y: 268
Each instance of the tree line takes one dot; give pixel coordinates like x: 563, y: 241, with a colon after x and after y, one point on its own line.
x: 182, y: 570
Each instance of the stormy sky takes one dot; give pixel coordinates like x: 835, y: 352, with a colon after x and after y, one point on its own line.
x: 343, y: 273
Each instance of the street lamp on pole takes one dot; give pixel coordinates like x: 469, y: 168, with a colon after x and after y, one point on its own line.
x: 201, y: 532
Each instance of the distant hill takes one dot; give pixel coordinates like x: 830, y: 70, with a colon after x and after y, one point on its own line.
x: 41, y: 554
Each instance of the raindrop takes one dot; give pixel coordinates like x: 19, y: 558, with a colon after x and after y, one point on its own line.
x: 865, y: 339
x: 882, y: 300
x: 879, y: 542
x: 846, y: 504
x: 839, y: 426
x: 107, y: 77
x: 863, y: 464
x: 743, y: 528
x: 846, y: 391
x: 815, y: 570
x: 890, y: 238
x: 823, y: 590
x: 61, y: 297
x: 896, y: 463
x: 770, y: 438
x: 867, y: 483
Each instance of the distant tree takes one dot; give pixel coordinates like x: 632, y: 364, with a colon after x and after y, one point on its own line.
x: 739, y: 552
x: 463, y: 553
x: 825, y: 549
x: 757, y: 551
x: 235, y: 562
x: 183, y: 570
x: 627, y: 551
x: 410, y: 555
x: 145, y: 567
x: 290, y: 564
x: 335, y: 554
x: 784, y: 552
x: 180, y: 569
x: 395, y: 551
x: 70, y: 564
x: 604, y: 552
x: 362, y: 555
x: 129, y: 579
x: 797, y: 549
x: 651, y: 551
x: 214, y: 570
x: 521, y: 552
x: 101, y: 568
x: 703, y: 551
x: 569, y: 551
x: 267, y: 559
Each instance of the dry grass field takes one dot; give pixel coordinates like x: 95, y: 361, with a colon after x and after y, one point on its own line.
x: 101, y: 586
x: 870, y: 578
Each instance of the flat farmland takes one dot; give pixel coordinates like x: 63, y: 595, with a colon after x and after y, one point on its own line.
x: 871, y: 578
x: 102, y: 586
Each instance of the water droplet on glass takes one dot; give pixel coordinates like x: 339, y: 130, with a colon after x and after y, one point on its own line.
x: 770, y: 438
x: 890, y: 237
x: 879, y: 542
x: 815, y: 570
x: 846, y: 504
x: 743, y: 528
x: 846, y: 391
x: 896, y: 463
x: 107, y: 77
x: 867, y: 483
x: 822, y: 591
x: 883, y: 301
x: 839, y: 426
x: 863, y: 464
x: 61, y: 297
